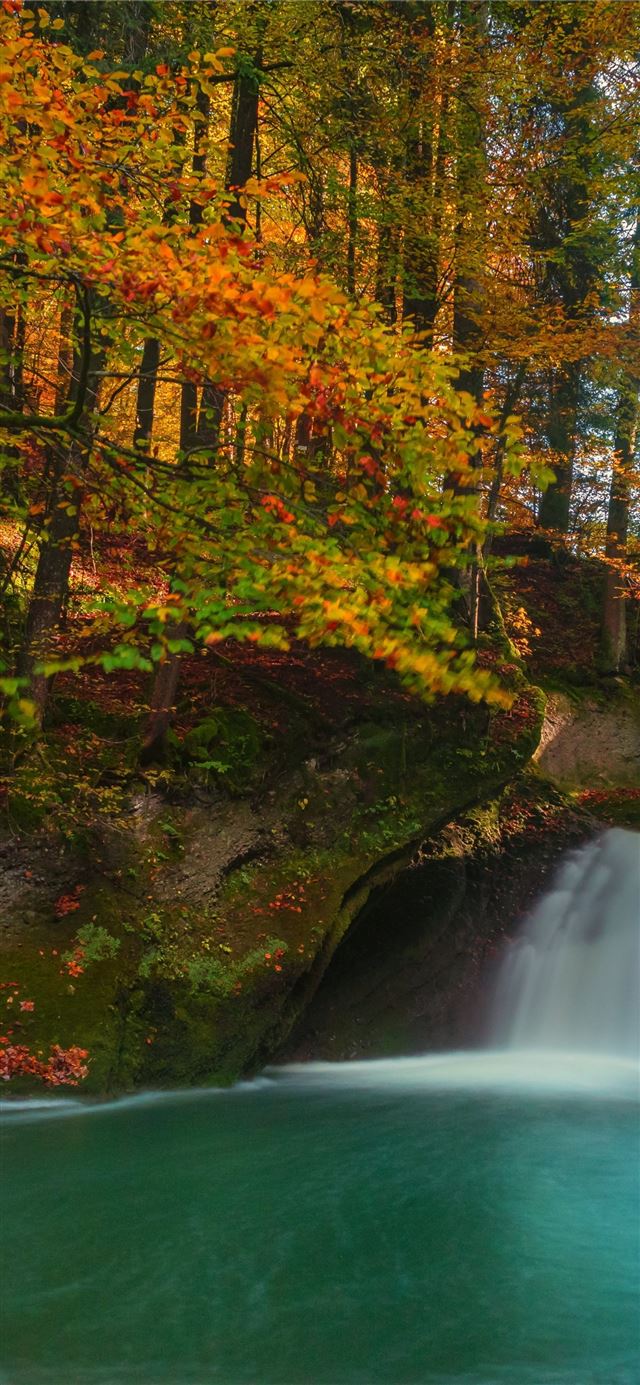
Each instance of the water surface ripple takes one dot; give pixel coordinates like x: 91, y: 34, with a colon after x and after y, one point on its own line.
x: 422, y: 1222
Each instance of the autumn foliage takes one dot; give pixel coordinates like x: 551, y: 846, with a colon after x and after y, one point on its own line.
x: 65, y: 1067
x: 359, y: 552
x: 314, y: 315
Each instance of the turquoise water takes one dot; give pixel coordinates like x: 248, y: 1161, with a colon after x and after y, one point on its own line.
x: 391, y: 1226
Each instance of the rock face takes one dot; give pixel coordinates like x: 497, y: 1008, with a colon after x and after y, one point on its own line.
x: 181, y: 940
x: 415, y: 970
x: 590, y: 741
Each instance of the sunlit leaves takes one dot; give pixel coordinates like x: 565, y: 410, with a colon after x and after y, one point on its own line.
x: 348, y: 539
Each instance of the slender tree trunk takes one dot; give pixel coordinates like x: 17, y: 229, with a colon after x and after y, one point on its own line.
x: 242, y: 136
x: 555, y: 505
x: 614, y: 615
x: 65, y: 355
x: 68, y: 464
x: 162, y: 702
x: 352, y: 219
x: 145, y: 402
x: 387, y: 270
x: 511, y: 398
x: 471, y: 235
x: 240, y: 435
x: 420, y: 259
x: 471, y: 232
x: 7, y: 349
x: 58, y: 543
x: 571, y: 276
x: 244, y: 124
x: 201, y: 427
x: 88, y: 19
x: 188, y: 415
x: 11, y: 390
x: 189, y: 393
x: 138, y: 17
x: 308, y: 441
x: 51, y: 582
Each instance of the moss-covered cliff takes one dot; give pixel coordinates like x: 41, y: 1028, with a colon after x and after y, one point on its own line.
x: 180, y: 938
x: 415, y: 971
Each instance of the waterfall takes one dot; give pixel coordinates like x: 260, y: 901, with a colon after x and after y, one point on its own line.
x: 571, y: 981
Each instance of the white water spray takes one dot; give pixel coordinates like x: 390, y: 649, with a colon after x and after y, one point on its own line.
x: 571, y: 981
x: 566, y: 1012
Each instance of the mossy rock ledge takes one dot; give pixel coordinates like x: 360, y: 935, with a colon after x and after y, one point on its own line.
x: 181, y: 940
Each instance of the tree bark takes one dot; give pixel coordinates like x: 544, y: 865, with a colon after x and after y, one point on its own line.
x: 244, y: 123
x: 571, y: 275
x: 188, y: 392
x: 51, y: 582
x: 57, y: 542
x: 12, y: 329
x: 555, y: 505
x: 352, y: 219
x: 471, y: 235
x: 471, y: 194
x: 207, y: 420
x: 614, y: 614
x: 420, y: 259
x: 162, y: 702
x: 201, y: 427
x: 387, y: 270
x: 145, y: 402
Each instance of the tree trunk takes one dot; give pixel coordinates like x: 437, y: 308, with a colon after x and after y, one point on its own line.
x: 137, y: 15
x: 201, y: 428
x: 67, y: 473
x: 387, y: 270
x: 57, y: 543
x: 352, y: 219
x: 244, y: 123
x: 204, y: 424
x: 470, y: 242
x: 51, y: 582
x: 12, y: 327
x: 162, y: 703
x: 614, y: 615
x: 571, y: 274
x: 555, y: 505
x: 65, y: 355
x: 471, y: 194
x: 188, y: 392
x: 145, y: 402
x: 420, y: 261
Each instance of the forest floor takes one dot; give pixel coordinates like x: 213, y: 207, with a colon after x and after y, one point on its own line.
x: 240, y: 706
